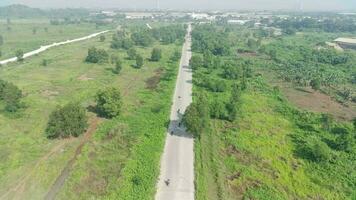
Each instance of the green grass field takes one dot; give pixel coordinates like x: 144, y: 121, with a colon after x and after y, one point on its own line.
x: 266, y: 152
x: 21, y: 36
x: 30, y: 163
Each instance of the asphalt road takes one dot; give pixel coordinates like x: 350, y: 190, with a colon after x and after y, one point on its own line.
x: 46, y: 47
x: 177, y: 162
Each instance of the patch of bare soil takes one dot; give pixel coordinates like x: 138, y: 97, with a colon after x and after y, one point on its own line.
x: 152, y: 82
x: 311, y: 100
x: 319, y: 102
x: 49, y: 93
x: 84, y: 77
x: 67, y: 169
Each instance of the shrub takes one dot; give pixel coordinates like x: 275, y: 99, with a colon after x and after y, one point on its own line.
x: 131, y: 53
x: 11, y: 95
x: 66, y: 121
x: 19, y: 55
x: 118, y: 66
x: 139, y: 61
x: 318, y: 150
x: 102, y: 38
x: 176, y: 56
x: 97, y: 56
x: 109, y: 102
x: 156, y: 54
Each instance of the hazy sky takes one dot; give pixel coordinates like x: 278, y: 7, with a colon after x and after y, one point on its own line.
x: 194, y: 4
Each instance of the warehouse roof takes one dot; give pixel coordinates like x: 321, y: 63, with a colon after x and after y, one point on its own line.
x: 346, y: 40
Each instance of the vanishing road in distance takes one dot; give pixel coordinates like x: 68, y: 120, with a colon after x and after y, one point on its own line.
x: 176, y: 180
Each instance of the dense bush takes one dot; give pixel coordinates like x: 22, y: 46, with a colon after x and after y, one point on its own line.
x: 156, y: 54
x: 139, y: 61
x: 131, y: 53
x: 142, y: 38
x: 196, y: 117
x: 109, y: 102
x: 97, y: 56
x: 19, y: 55
x: 121, y: 42
x: 66, y: 121
x: 11, y: 95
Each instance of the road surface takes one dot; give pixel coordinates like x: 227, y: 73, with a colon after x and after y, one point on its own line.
x: 177, y: 162
x: 46, y: 47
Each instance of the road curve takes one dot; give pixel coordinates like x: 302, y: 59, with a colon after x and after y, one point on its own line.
x: 177, y: 162
x: 46, y: 47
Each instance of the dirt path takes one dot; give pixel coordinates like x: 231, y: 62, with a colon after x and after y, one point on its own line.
x: 46, y: 47
x: 55, y: 188
x: 23, y: 181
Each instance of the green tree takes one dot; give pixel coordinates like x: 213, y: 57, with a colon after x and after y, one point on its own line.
x: 102, y: 38
x: 19, y: 55
x: 109, y: 102
x: 196, y: 62
x: 139, y: 61
x: 66, y: 121
x: 176, y: 56
x: 97, y: 56
x: 318, y: 150
x: 156, y: 54
x: 131, y: 53
x: 315, y: 84
x: 1, y: 40
x: 196, y: 117
x: 118, y: 66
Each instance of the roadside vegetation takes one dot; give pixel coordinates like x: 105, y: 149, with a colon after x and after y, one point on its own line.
x: 95, y: 81
x: 264, y: 147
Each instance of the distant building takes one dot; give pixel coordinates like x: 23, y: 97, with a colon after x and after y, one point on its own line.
x: 237, y: 21
x: 202, y: 16
x: 346, y: 43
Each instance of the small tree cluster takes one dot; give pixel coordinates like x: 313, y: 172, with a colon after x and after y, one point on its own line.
x: 11, y: 95
x: 139, y: 61
x: 19, y: 55
x: 109, y: 102
x: 156, y: 54
x: 66, y: 121
x: 196, y: 117
x: 97, y: 56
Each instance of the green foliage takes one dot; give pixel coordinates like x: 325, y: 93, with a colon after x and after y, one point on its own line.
x: 121, y: 41
x: 318, y: 150
x: 1, y: 40
x: 195, y: 62
x: 315, y: 84
x: 19, y: 55
x: 156, y: 54
x: 209, y: 38
x: 118, y: 66
x: 102, y: 38
x: 176, y: 56
x: 11, y: 95
x: 169, y: 34
x: 218, y: 110
x: 139, y: 61
x: 97, y: 56
x: 44, y: 62
x: 131, y: 53
x: 66, y: 121
x: 109, y: 102
x: 142, y: 38
x: 196, y: 117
